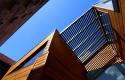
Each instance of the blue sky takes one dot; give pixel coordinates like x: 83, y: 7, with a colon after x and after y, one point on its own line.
x: 56, y: 14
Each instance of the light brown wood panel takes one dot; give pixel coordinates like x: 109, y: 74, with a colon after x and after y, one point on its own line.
x: 118, y: 24
x: 101, y: 59
x: 65, y: 59
x: 56, y: 63
x: 24, y: 72
x: 122, y: 7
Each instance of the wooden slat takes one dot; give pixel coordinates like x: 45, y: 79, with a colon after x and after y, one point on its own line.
x: 101, y: 59
x: 20, y: 73
x: 118, y: 24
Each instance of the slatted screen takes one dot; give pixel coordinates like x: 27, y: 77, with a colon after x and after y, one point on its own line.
x: 88, y: 34
x: 104, y: 57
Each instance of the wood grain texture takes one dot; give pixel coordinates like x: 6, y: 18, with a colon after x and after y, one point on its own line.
x: 102, y: 59
x: 118, y: 25
x: 56, y: 63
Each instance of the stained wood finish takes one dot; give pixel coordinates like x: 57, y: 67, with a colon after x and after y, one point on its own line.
x: 5, y: 64
x: 118, y: 25
x: 20, y: 74
x: 14, y: 13
x: 56, y: 63
x: 61, y: 63
x: 6, y: 59
x: 105, y: 57
x: 16, y: 68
